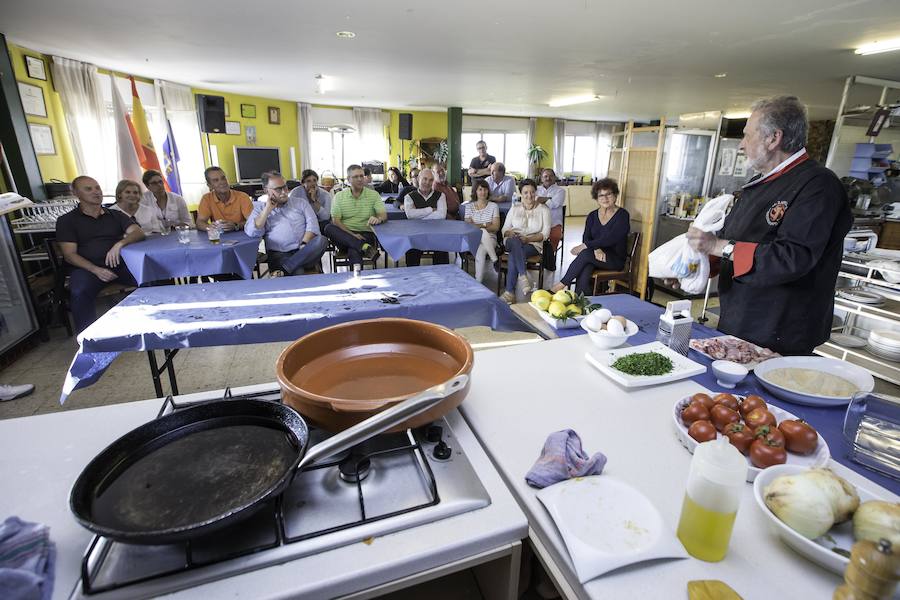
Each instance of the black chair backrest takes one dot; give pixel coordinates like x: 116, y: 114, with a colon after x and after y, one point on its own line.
x: 634, y: 241
x: 54, y: 253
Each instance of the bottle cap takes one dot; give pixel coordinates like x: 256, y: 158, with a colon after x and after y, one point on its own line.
x: 720, y: 462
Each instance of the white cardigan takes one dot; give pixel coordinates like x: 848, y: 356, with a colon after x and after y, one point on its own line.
x: 536, y: 220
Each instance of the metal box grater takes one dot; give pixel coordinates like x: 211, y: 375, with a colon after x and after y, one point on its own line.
x: 675, y: 326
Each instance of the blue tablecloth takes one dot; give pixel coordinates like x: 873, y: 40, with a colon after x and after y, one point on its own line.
x: 395, y: 213
x: 279, y: 309
x: 433, y: 234
x: 828, y: 421
x: 163, y: 257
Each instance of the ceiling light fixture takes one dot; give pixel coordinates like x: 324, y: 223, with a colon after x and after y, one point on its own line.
x: 720, y: 75
x: 321, y: 84
x: 347, y: 35
x: 737, y: 115
x: 570, y: 100
x: 879, y: 47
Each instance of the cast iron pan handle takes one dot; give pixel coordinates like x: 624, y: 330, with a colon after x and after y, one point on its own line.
x: 383, y: 421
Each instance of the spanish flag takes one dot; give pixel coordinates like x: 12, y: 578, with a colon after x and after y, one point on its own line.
x: 144, y: 143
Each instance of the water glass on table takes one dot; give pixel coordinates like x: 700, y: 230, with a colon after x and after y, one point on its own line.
x: 184, y: 234
x: 213, y: 233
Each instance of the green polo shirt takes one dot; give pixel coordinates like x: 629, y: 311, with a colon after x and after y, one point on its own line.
x: 353, y: 212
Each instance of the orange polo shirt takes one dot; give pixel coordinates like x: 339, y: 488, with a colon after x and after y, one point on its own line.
x: 236, y: 209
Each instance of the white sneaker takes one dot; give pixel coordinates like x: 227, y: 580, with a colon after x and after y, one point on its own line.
x: 11, y: 392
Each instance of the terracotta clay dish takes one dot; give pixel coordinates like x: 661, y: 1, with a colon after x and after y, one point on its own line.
x: 341, y: 375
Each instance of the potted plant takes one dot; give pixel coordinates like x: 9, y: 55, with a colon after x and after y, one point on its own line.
x: 442, y: 153
x: 536, y: 154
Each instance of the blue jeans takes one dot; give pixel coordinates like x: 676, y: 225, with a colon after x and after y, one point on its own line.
x: 518, y: 252
x: 293, y: 262
x: 84, y: 287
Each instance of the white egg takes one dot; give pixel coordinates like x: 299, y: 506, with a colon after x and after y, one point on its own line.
x: 615, y: 328
x: 603, y: 314
x: 594, y: 321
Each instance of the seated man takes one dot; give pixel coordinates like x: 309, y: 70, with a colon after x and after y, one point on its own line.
x: 553, y: 197
x: 289, y: 225
x: 91, y: 239
x: 354, y: 211
x: 441, y: 185
x: 413, y: 184
x: 425, y: 203
x: 318, y: 197
x: 228, y: 208
x: 502, y: 186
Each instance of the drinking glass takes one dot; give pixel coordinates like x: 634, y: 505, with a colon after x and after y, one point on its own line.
x: 184, y: 234
x: 872, y: 427
x: 213, y: 233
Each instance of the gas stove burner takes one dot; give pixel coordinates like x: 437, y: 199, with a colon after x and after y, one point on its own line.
x: 354, y: 468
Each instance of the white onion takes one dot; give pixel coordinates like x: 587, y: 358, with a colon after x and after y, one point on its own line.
x: 811, y: 502
x: 876, y: 520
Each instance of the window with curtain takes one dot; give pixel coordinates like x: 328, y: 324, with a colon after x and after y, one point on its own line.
x: 334, y: 149
x: 510, y: 148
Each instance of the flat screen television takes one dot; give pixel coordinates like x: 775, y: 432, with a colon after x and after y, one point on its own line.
x: 252, y: 161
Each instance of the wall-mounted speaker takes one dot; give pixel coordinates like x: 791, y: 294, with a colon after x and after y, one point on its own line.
x: 405, y: 126
x: 211, y: 110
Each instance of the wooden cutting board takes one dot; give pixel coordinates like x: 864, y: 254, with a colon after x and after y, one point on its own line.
x: 711, y: 589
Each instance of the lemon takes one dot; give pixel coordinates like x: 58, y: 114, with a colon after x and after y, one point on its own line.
x: 574, y: 310
x: 558, y: 310
x: 563, y: 297
x: 538, y: 294
x: 542, y: 303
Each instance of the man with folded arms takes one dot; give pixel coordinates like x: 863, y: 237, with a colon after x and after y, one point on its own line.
x: 480, y: 166
x: 502, y: 186
x: 228, y: 208
x: 554, y: 198
x: 91, y: 239
x: 354, y: 211
x: 289, y: 225
x: 425, y: 203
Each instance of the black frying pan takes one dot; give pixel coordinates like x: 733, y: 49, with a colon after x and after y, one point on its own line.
x: 203, y: 468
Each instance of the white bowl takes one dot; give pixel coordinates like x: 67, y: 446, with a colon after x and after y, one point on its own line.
x: 728, y: 373
x: 605, y: 340
x: 859, y: 376
x: 889, y: 269
x: 819, y: 550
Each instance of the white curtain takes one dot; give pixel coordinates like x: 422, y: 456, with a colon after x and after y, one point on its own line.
x: 305, y: 125
x: 603, y: 138
x: 559, y: 143
x: 86, y: 119
x: 529, y: 140
x: 370, y: 133
x: 178, y: 107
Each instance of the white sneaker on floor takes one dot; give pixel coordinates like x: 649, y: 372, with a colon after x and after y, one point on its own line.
x: 508, y: 297
x: 524, y: 283
x: 11, y: 392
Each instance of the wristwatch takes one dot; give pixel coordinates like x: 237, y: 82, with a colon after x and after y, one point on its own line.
x: 728, y: 250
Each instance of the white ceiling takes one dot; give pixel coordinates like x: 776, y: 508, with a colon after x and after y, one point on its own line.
x: 647, y: 57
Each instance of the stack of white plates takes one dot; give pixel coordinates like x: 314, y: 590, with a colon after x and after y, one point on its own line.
x: 885, y: 343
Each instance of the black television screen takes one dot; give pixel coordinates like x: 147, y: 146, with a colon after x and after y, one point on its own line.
x: 252, y: 161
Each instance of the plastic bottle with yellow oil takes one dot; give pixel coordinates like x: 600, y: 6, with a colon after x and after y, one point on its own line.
x: 715, y: 484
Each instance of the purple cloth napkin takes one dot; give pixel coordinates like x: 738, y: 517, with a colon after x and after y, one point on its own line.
x: 562, y: 458
x: 27, y: 560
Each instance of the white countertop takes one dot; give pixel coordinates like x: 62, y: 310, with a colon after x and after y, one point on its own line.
x: 40, y: 457
x: 521, y: 394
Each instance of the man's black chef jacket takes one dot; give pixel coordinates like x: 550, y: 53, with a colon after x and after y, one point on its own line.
x: 778, y: 289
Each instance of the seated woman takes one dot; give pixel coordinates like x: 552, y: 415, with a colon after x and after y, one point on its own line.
x: 603, y: 241
x: 485, y: 215
x: 527, y: 226
x: 128, y: 201
x: 393, y: 184
x: 169, y: 208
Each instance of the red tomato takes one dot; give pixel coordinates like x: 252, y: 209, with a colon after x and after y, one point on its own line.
x: 726, y: 399
x: 770, y: 434
x: 799, y: 436
x: 759, y: 417
x: 695, y: 411
x: 702, y: 431
x: 751, y: 402
x: 722, y: 416
x: 739, y: 436
x: 763, y: 454
x: 705, y: 399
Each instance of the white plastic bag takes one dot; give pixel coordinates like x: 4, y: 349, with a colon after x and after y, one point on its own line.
x: 677, y: 260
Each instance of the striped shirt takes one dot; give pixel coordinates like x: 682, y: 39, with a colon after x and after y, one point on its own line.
x: 485, y: 216
x: 353, y: 212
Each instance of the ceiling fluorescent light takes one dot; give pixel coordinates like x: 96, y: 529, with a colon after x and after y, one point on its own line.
x: 570, y: 100
x: 321, y: 84
x: 878, y: 47
x: 737, y: 115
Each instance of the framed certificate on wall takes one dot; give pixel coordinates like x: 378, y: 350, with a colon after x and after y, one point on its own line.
x: 42, y: 138
x: 32, y: 100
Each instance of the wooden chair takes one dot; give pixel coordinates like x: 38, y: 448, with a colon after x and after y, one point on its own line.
x: 532, y: 263
x: 626, y: 275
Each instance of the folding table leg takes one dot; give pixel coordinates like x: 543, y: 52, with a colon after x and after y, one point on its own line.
x: 156, y: 371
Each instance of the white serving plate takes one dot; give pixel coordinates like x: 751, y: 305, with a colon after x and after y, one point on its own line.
x: 750, y: 365
x: 859, y: 376
x: 848, y: 341
x: 570, y: 323
x: 607, y: 524
x: 683, y: 367
x: 862, y: 297
x: 819, y: 457
x: 818, y: 550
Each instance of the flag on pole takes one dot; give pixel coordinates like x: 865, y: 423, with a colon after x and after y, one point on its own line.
x: 128, y: 148
x: 147, y: 154
x: 170, y: 161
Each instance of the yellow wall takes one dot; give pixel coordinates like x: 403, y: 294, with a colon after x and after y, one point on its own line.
x: 284, y: 136
x: 62, y: 164
x: 426, y: 124
x: 543, y: 136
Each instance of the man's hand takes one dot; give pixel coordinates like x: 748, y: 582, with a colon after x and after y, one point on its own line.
x: 105, y: 275
x: 704, y: 242
x: 578, y: 249
x: 113, y: 257
x: 471, y: 172
x: 374, y: 221
x: 226, y: 225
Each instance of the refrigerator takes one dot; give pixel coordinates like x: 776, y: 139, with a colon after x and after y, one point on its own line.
x: 17, y: 316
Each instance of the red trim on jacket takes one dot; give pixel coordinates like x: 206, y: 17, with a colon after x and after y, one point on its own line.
x: 742, y: 257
